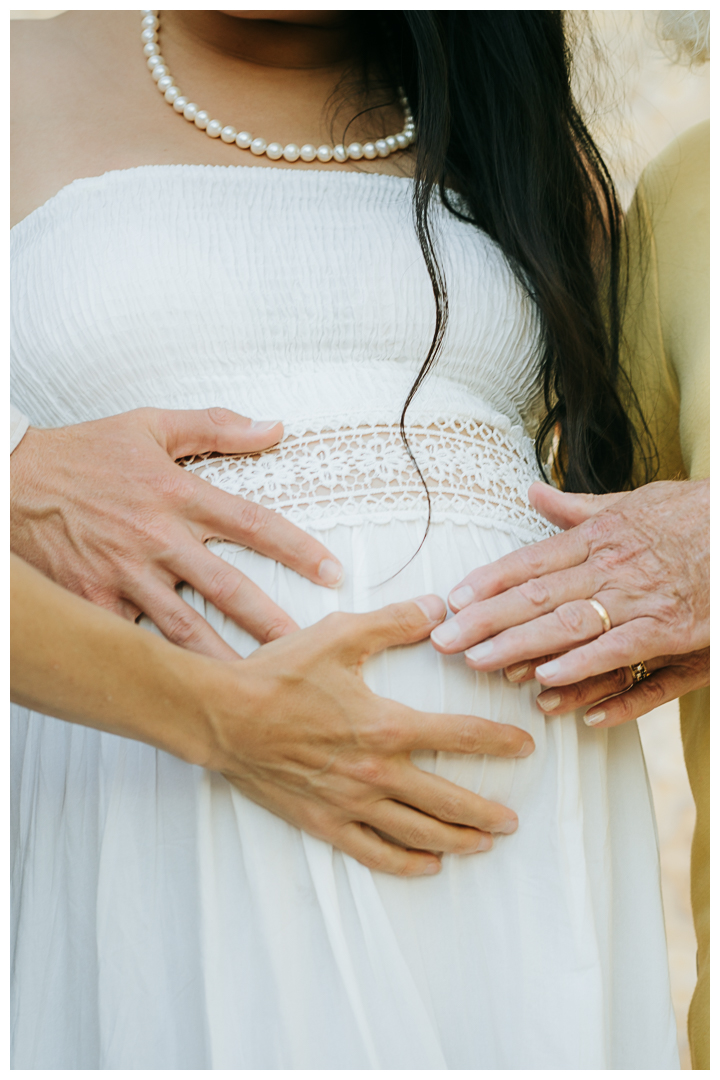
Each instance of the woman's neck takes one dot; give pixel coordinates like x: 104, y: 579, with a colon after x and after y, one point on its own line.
x: 262, y: 38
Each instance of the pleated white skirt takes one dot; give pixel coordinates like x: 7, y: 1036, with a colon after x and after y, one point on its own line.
x: 161, y: 920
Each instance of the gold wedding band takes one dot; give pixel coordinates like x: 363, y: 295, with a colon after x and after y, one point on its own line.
x: 639, y: 672
x: 607, y: 625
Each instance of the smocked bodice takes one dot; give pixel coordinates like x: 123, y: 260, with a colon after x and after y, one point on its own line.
x: 273, y: 291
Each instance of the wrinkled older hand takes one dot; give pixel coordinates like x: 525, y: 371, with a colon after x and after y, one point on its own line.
x: 103, y: 509
x: 644, y: 555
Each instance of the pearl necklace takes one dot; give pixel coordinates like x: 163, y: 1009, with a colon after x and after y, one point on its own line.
x: 274, y: 150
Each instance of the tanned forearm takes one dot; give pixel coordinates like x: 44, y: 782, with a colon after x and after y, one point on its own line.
x: 76, y: 661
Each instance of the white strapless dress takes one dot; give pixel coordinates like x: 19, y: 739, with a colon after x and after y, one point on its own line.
x: 160, y: 919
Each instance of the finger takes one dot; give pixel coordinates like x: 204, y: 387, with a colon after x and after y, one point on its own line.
x: 364, y: 844
x: 230, y: 517
x: 357, y: 636
x: 402, y: 729
x: 524, y: 671
x: 408, y: 827
x: 665, y: 685
x: 561, y: 699
x: 197, y: 431
x: 515, y: 606
x: 548, y: 556
x: 567, y: 509
x: 445, y: 801
x: 570, y: 625
x: 234, y: 594
x: 623, y: 645
x: 179, y: 623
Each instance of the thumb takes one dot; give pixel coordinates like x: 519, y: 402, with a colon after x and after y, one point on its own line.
x: 199, y: 431
x: 566, y: 508
x: 363, y: 635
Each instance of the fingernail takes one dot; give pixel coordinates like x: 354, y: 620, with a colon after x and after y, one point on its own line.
x: 548, y: 700
x: 432, y: 868
x: 479, y: 652
x: 264, y: 425
x: 547, y: 671
x: 507, y: 827
x: 330, y: 573
x: 431, y: 606
x: 594, y: 717
x: 526, y: 749
x: 484, y: 843
x: 446, y: 633
x: 515, y: 674
x: 460, y: 598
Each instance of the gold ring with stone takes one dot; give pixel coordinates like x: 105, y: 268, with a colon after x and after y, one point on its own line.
x: 639, y: 672
x: 607, y: 625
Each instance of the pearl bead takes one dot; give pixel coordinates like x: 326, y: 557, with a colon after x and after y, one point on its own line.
x: 190, y: 111
x: 243, y: 140
x: 355, y: 151
x: 158, y: 71
x: 370, y: 150
x: 402, y: 140
x: 213, y: 129
x: 308, y: 152
x: 179, y: 103
x: 228, y: 134
x: 164, y: 83
x: 410, y: 136
x: 202, y: 119
x: 153, y: 62
x: 291, y: 152
x: 150, y: 22
x: 274, y: 150
x: 391, y: 143
x: 151, y: 49
x: 148, y: 12
x: 403, y: 101
x: 324, y: 153
x: 148, y: 35
x: 258, y: 146
x: 340, y: 152
x: 382, y: 148
x: 171, y: 94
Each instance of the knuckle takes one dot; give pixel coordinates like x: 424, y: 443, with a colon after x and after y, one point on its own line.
x: 468, y: 737
x: 531, y: 560
x: 181, y: 626
x: 173, y: 485
x: 418, y: 837
x: 570, y: 617
x: 535, y: 592
x: 617, y: 680
x: 253, y: 519
x: 375, y: 858
x: 223, y: 586
x: 220, y: 416
x: 369, y: 770
x: 653, y: 692
x: 451, y: 808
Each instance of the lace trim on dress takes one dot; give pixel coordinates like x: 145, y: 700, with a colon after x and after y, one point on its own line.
x: 329, y: 476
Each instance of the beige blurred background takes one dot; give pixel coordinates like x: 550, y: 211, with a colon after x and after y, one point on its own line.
x: 639, y: 101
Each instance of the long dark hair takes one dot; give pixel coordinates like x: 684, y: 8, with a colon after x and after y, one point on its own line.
x: 497, y: 123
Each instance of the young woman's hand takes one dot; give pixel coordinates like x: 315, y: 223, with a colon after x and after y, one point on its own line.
x: 103, y: 509
x: 303, y: 736
x: 294, y: 726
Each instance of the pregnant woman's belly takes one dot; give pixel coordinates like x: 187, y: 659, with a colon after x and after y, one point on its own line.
x: 209, y: 933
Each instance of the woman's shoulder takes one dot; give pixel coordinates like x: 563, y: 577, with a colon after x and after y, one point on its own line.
x: 64, y: 74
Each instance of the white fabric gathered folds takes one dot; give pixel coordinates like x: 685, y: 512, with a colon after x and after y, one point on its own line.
x: 161, y: 920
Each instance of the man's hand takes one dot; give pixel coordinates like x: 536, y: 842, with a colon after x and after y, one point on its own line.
x: 103, y: 509
x: 303, y: 735
x: 644, y: 555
